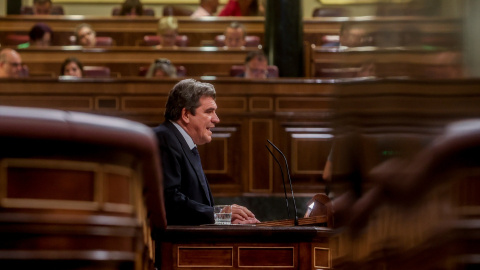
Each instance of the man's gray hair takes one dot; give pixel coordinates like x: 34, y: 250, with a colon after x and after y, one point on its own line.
x: 186, y: 94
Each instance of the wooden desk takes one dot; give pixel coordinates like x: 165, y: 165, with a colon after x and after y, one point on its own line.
x: 295, y: 114
x: 436, y: 31
x: 415, y: 62
x: 127, y: 32
x: 198, y: 61
x: 244, y: 247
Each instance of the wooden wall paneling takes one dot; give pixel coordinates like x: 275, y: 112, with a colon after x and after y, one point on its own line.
x: 250, y: 112
x: 261, y: 170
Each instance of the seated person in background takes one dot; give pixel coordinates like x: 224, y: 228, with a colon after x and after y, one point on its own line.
x: 42, y: 7
x: 255, y: 65
x: 367, y: 69
x: 85, y: 35
x: 40, y: 36
x: 240, y: 8
x: 72, y: 67
x: 161, y: 68
x: 10, y: 64
x: 167, y: 30
x: 206, y: 8
x: 235, y: 35
x: 351, y: 35
x: 190, y: 115
x: 132, y: 8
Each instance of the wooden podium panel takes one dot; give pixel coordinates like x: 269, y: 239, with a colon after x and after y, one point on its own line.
x: 244, y: 247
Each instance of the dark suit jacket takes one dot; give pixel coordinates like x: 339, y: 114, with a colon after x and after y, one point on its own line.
x: 186, y: 201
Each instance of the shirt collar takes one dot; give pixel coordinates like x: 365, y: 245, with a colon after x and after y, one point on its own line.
x: 185, y: 135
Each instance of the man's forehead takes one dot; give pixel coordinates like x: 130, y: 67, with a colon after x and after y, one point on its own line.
x: 234, y: 30
x: 208, y: 101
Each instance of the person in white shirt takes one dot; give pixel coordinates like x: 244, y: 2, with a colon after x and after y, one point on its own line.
x: 206, y: 8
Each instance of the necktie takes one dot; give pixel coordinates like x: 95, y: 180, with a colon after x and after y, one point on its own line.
x: 203, y: 180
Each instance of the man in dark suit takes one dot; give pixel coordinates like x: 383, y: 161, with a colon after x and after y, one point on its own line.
x: 190, y: 114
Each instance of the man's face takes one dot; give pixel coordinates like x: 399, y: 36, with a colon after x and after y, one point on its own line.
x: 86, y: 37
x: 205, y: 118
x: 234, y: 37
x: 42, y: 9
x: 256, y: 68
x: 353, y: 37
x: 12, y: 67
x: 168, y: 38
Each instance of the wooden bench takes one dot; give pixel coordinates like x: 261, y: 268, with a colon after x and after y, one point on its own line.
x: 413, y: 62
x: 128, y: 60
x: 440, y: 31
x: 75, y: 194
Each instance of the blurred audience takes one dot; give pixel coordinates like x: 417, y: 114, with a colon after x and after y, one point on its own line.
x: 85, y: 35
x: 167, y: 31
x: 235, y: 35
x: 351, y: 35
x: 241, y: 8
x: 161, y: 68
x: 206, y: 8
x: 72, y: 67
x: 367, y: 69
x: 256, y: 65
x: 10, y: 64
x: 40, y: 36
x: 132, y: 8
x: 42, y: 7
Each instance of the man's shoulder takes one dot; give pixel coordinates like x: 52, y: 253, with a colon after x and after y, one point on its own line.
x: 164, y: 129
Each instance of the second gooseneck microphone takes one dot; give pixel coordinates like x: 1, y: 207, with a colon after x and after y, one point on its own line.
x: 289, y: 179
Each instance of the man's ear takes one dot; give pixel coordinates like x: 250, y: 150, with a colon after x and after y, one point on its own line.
x: 185, y: 115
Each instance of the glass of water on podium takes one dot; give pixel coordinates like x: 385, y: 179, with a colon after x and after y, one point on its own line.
x: 222, y: 214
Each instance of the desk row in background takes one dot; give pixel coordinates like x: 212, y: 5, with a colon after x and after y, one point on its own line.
x: 437, y: 31
x: 414, y: 62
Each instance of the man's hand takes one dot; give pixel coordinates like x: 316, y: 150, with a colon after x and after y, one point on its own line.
x: 241, y: 215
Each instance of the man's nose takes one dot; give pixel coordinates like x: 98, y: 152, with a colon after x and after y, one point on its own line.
x: 215, y: 119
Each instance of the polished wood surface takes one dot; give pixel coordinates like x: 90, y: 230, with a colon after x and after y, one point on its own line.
x: 245, y: 246
x: 295, y: 114
x: 74, y: 194
x: 127, y: 61
x: 128, y: 32
x: 413, y: 62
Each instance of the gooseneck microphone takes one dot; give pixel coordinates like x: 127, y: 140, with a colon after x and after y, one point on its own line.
x: 290, y: 180
x: 283, y: 179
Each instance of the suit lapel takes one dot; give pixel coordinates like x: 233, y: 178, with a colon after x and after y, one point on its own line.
x: 191, y: 158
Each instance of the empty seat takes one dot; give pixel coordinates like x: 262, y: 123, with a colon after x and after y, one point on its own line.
x: 14, y: 39
x: 250, y: 41
x: 236, y: 70
x: 173, y: 10
x: 56, y: 10
x: 105, y: 41
x: 96, y: 72
x: 146, y: 11
x: 153, y: 40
